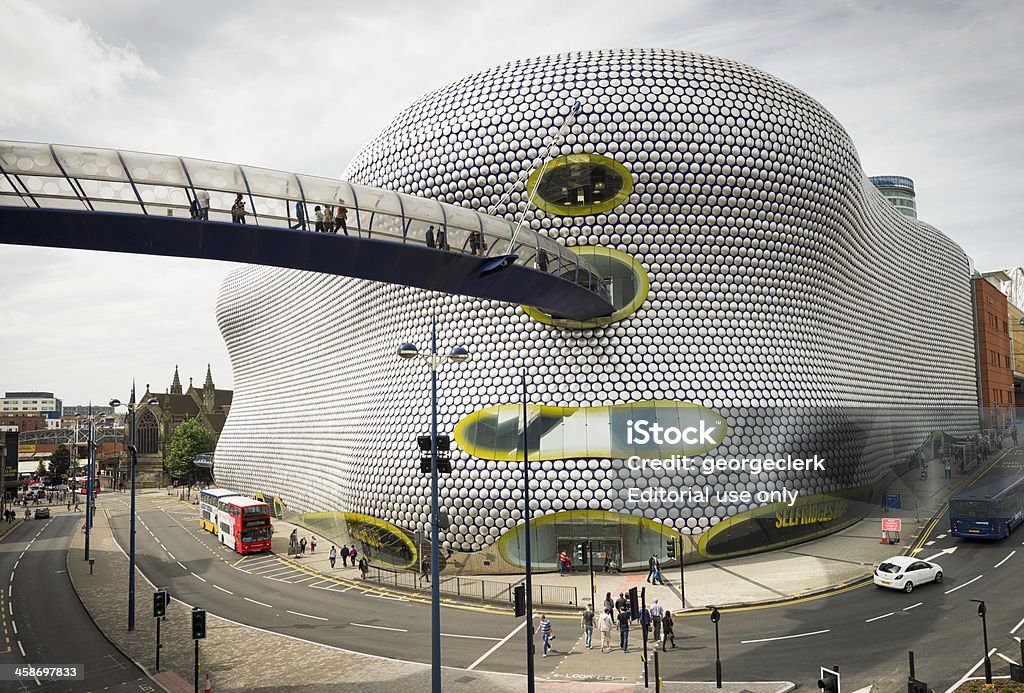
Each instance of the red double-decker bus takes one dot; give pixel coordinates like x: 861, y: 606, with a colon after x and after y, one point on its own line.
x: 244, y: 524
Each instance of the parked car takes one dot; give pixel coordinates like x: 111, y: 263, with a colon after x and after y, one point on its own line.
x: 42, y: 513
x: 906, y: 572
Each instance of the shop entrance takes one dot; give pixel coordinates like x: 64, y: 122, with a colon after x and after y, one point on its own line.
x: 605, y: 551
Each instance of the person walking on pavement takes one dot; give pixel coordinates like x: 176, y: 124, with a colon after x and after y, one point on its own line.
x: 364, y: 566
x: 657, y: 611
x: 344, y: 555
x: 605, y: 625
x: 668, y: 633
x: 563, y: 561
x: 544, y: 627
x: 623, y: 619
x: 312, y: 545
x: 621, y: 604
x: 645, y: 621
x: 352, y: 555
x: 302, y: 547
x: 650, y: 567
x: 425, y: 569
x: 587, y: 624
x: 332, y: 555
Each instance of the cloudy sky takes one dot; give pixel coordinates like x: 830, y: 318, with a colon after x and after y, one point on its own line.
x: 927, y: 88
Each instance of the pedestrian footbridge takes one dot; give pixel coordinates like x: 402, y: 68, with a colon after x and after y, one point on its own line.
x: 103, y: 199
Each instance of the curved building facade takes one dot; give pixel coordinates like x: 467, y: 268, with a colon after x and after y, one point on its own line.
x: 760, y: 280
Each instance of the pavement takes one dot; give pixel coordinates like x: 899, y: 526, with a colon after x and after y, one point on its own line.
x: 289, y: 664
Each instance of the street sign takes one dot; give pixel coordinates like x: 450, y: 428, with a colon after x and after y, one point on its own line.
x: 893, y: 501
x: 891, y: 524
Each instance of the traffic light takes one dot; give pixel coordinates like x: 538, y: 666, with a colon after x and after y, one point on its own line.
x: 444, y: 454
x: 634, y: 603
x: 915, y: 686
x: 584, y: 552
x: 670, y: 547
x: 519, y: 599
x: 829, y: 681
x: 160, y: 601
x: 198, y: 623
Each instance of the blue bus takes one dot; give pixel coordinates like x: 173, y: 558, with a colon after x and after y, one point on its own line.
x: 990, y: 509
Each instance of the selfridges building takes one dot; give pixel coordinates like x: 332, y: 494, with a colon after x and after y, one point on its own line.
x: 784, y: 339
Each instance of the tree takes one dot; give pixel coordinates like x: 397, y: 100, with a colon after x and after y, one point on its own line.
x: 189, y: 439
x: 60, y: 462
x: 40, y: 470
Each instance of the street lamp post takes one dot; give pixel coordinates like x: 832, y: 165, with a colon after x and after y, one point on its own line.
x: 434, y: 361
x: 716, y: 616
x: 984, y: 635
x: 527, y: 515
x: 133, y: 452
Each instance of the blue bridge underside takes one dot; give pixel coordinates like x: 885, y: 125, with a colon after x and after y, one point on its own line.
x: 350, y: 256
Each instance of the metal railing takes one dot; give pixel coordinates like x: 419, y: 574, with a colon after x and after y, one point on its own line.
x: 490, y: 591
x: 47, y: 176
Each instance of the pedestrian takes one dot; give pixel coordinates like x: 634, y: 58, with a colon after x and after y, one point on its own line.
x: 203, y: 201
x: 621, y: 604
x: 563, y: 561
x: 667, y: 628
x: 364, y: 566
x: 332, y: 555
x: 1013, y: 434
x: 341, y: 219
x: 238, y: 210
x: 352, y: 555
x: 319, y: 216
x: 302, y: 546
x: 623, y: 619
x: 657, y: 611
x: 949, y: 469
x: 442, y: 239
x: 428, y: 236
x: 545, y: 632
x: 587, y: 624
x: 650, y: 567
x: 609, y: 603
x: 476, y: 242
x: 344, y: 555
x: 193, y: 208
x: 300, y: 216
x: 425, y: 569
x: 312, y: 545
x: 645, y: 620
x: 605, y: 625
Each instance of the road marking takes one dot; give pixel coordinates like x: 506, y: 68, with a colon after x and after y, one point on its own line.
x: 995, y: 566
x: 498, y: 644
x: 318, y: 618
x: 469, y: 637
x: 21, y: 648
x: 239, y: 561
x: 941, y: 536
x: 1000, y: 654
x: 171, y: 555
x: 877, y: 618
x: 1014, y: 629
x: 784, y: 637
x: 21, y: 556
x: 966, y: 676
x: 382, y: 596
x: 397, y: 630
x: 10, y: 590
x: 223, y: 590
x: 182, y: 565
x: 305, y: 579
x: 941, y: 553
x: 256, y: 602
x: 913, y: 606
x: 15, y: 566
x: 15, y: 626
x: 198, y: 578
x: 965, y: 584
x: 929, y: 543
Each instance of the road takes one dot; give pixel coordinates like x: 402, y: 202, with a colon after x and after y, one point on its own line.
x: 44, y: 623
x: 864, y: 630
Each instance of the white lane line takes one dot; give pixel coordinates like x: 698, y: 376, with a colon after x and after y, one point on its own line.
x: 784, y: 637
x: 182, y: 565
x: 305, y: 579
x: 995, y: 566
x: 223, y: 590
x: 941, y: 536
x: 318, y: 618
x: 364, y: 625
x: 498, y: 644
x: 21, y: 556
x: 1019, y: 624
x: 381, y: 596
x: 12, y: 577
x: 171, y: 555
x: 23, y: 649
x: 965, y: 584
x: 198, y: 578
x: 256, y: 602
x: 913, y: 606
x: 318, y: 583
x: 929, y: 543
x: 14, y: 567
x: 321, y: 588
x: 998, y: 654
x: 274, y: 573
x: 469, y: 637
x: 14, y: 625
x: 878, y: 618
x: 10, y: 589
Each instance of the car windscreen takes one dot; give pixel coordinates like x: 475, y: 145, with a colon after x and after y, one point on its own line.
x: 889, y: 568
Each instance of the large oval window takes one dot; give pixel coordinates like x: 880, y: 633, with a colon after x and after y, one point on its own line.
x: 625, y: 278
x: 579, y: 184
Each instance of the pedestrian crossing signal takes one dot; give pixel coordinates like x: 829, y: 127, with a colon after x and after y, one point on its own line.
x: 198, y: 624
x: 670, y: 548
x: 519, y: 599
x: 160, y: 600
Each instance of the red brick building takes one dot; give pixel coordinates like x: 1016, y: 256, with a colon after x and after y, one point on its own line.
x: 24, y: 421
x: 994, y: 358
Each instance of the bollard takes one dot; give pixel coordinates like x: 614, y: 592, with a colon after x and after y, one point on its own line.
x: 91, y: 561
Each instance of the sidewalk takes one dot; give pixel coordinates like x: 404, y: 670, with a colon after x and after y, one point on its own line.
x: 822, y: 565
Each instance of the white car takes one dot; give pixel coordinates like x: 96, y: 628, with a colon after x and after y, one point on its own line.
x: 906, y: 572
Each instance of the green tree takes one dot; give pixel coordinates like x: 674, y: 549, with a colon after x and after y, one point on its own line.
x: 187, y: 441
x: 60, y: 462
x: 40, y: 470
